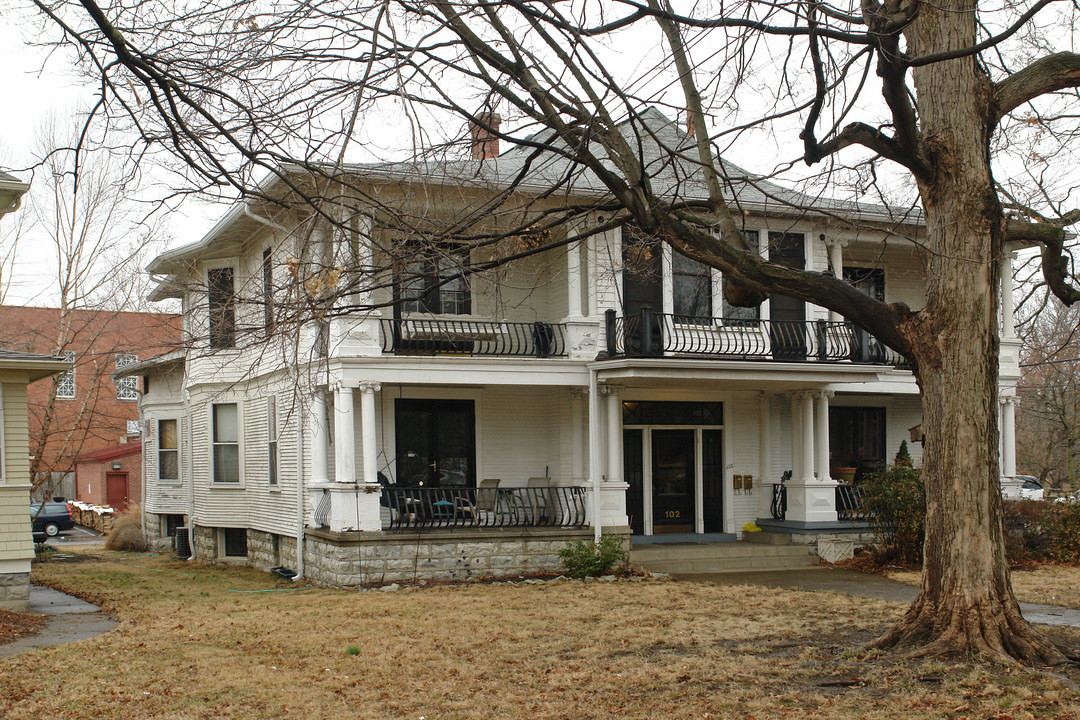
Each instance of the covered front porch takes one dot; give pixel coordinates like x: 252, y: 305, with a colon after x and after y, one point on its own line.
x: 684, y: 449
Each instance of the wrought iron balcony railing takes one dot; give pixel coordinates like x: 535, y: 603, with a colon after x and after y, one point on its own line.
x: 442, y: 336
x: 849, y: 504
x: 417, y: 508
x: 652, y: 334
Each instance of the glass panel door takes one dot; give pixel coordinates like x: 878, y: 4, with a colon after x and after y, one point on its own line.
x: 436, y: 444
x: 673, y: 481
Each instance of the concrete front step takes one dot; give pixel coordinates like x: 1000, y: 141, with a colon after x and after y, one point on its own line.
x: 721, y: 557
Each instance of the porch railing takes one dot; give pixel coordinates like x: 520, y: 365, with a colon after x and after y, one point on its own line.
x: 849, y: 504
x: 431, y: 508
x: 441, y: 336
x: 653, y: 334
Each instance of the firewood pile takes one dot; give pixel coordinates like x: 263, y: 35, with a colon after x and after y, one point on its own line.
x: 97, y: 517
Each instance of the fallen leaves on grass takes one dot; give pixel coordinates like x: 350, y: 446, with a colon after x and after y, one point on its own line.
x: 14, y: 626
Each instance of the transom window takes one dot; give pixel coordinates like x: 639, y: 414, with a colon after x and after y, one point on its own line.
x: 226, y: 443
x: 436, y: 284
x: 673, y: 413
x: 127, y: 388
x: 168, y: 451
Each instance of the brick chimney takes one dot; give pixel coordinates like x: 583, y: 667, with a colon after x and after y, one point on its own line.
x: 485, y: 145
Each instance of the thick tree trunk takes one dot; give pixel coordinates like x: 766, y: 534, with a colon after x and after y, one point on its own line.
x: 966, y: 604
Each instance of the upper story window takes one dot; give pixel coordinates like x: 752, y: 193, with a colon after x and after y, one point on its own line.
x: 734, y: 315
x: 127, y: 388
x: 222, y: 301
x: 691, y: 283
x: 225, y: 432
x: 268, y: 291
x: 168, y: 450
x: 65, y: 383
x: 870, y: 281
x: 437, y: 284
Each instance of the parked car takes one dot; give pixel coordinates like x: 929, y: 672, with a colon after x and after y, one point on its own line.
x: 1074, y: 496
x: 51, y: 517
x: 1032, y: 489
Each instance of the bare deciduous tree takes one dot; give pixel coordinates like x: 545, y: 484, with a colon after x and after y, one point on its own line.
x: 241, y: 88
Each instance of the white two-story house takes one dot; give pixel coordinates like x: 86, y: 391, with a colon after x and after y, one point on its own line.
x: 448, y: 419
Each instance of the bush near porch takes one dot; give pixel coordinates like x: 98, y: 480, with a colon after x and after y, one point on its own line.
x: 209, y: 642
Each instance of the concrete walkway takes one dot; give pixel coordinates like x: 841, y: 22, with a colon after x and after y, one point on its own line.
x: 70, y: 620
x: 876, y: 587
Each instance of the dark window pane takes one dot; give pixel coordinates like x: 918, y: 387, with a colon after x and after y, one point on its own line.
x: 235, y: 542
x: 692, y: 287
x: 222, y: 308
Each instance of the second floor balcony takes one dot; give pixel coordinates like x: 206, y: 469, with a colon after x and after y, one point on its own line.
x: 652, y: 334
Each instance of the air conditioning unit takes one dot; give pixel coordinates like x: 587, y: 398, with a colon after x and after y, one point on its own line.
x: 182, y: 543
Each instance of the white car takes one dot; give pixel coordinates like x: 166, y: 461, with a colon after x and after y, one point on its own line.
x: 1031, y: 489
x: 1074, y: 496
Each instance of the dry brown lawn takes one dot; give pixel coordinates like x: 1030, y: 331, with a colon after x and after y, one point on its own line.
x: 188, y: 646
x: 1045, y: 584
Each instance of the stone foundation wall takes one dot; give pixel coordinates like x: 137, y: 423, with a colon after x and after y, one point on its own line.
x: 204, y: 543
x: 344, y: 560
x: 154, y: 539
x: 15, y: 592
x: 348, y: 560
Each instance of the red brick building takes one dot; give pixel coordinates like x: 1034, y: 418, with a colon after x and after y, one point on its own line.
x: 111, y: 477
x: 84, y: 410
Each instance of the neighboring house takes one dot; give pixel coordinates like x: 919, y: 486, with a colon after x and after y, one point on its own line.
x: 471, y: 427
x: 83, y: 410
x: 112, y: 476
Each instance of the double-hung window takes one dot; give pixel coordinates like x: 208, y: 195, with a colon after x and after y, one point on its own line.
x: 127, y: 388
x: 272, y: 440
x: 268, y: 291
x: 222, y: 302
x: 437, y: 284
x: 225, y: 431
x: 168, y: 450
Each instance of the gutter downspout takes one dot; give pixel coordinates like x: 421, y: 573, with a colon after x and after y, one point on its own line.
x: 265, y: 221
x: 594, y: 452
x: 190, y: 472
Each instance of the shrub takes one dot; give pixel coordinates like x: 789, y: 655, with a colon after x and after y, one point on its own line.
x: 1042, y: 531
x: 896, y: 502
x: 126, y: 532
x: 584, y: 558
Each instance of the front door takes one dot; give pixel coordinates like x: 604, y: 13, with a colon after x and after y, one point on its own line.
x: 436, y: 443
x: 673, y: 480
x: 787, y: 327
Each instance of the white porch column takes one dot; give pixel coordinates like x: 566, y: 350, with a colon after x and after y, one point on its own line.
x: 796, y: 436
x: 344, y: 436
x: 1008, y: 437
x: 807, y: 444
x: 765, y: 473
x: 1008, y: 321
x: 320, y: 437
x: 577, y: 435
x: 821, y: 432
x: 611, y: 503
x: 614, y: 433
x: 836, y: 259
x: 367, y: 428
x: 573, y: 278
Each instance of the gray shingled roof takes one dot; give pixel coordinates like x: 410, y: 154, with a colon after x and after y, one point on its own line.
x: 669, y: 159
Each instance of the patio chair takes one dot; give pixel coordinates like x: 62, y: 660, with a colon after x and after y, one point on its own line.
x: 538, y: 500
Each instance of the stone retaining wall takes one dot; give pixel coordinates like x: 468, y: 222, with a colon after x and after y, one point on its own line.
x: 204, y: 543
